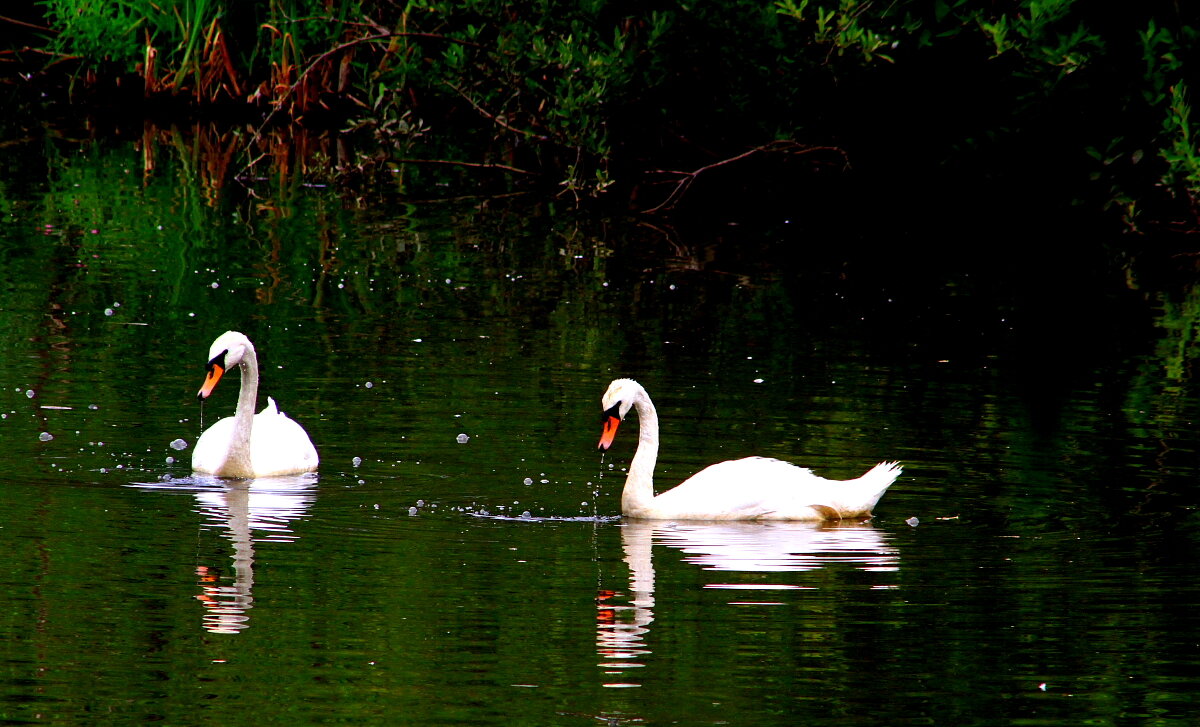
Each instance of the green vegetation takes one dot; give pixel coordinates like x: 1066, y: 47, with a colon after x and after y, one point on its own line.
x: 597, y: 98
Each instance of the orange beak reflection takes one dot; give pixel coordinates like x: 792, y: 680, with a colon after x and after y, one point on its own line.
x: 210, y: 382
x: 611, y: 423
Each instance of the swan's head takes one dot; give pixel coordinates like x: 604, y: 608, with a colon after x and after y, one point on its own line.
x: 226, y: 352
x: 616, y: 403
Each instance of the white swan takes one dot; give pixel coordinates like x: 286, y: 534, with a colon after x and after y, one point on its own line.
x: 246, y: 444
x: 754, y: 488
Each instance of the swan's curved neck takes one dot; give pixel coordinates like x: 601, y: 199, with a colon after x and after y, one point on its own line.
x: 243, y: 418
x: 639, y: 483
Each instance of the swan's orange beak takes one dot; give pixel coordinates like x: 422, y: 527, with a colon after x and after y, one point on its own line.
x: 215, y: 371
x: 611, y: 422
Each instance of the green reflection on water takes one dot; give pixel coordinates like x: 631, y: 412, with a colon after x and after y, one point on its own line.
x: 389, y: 330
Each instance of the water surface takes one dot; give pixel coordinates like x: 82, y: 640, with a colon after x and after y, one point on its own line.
x: 1034, y: 564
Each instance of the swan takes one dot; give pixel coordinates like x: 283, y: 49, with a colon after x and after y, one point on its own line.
x: 248, y: 444
x: 754, y: 488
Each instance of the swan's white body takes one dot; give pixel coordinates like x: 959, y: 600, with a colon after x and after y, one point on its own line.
x: 248, y: 444
x: 754, y: 488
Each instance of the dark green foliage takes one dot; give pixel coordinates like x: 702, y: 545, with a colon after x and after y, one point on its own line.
x: 593, y: 93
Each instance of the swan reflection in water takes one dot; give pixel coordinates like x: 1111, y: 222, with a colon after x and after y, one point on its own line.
x: 249, y: 511
x: 621, y: 629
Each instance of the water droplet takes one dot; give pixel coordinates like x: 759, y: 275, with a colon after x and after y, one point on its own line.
x: 178, y: 444
x: 45, y: 436
x: 462, y: 439
x: 528, y: 481
x: 758, y: 381
x: 93, y: 407
x: 356, y: 461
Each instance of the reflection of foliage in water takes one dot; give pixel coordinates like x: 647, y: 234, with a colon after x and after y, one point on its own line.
x: 1160, y: 398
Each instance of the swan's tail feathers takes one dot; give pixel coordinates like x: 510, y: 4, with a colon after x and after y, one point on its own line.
x: 878, y: 479
x: 884, y: 472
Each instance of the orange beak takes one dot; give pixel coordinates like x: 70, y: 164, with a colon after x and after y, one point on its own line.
x: 611, y: 422
x: 210, y: 382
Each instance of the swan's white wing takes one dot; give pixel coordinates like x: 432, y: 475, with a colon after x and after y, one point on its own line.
x: 771, y: 489
x: 278, y: 445
x: 742, y: 489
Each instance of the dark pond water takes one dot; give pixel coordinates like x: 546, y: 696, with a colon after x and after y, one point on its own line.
x: 1038, y: 391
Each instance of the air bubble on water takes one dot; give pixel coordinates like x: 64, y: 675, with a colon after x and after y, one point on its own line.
x: 420, y: 503
x: 108, y: 311
x: 166, y: 478
x: 528, y: 481
x: 526, y: 514
x: 758, y: 381
x: 170, y: 460
x: 583, y: 504
x: 93, y: 407
x: 370, y: 385
x: 215, y: 285
x: 30, y: 393
x: 45, y: 436
x: 462, y: 439
x: 178, y: 444
x: 356, y: 461
x: 412, y: 511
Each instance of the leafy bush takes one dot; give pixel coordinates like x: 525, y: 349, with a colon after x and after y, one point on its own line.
x: 591, y: 93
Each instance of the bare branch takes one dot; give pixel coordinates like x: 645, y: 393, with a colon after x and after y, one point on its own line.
x: 788, y: 147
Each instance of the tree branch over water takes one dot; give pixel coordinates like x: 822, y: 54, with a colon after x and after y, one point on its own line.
x: 786, y: 147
